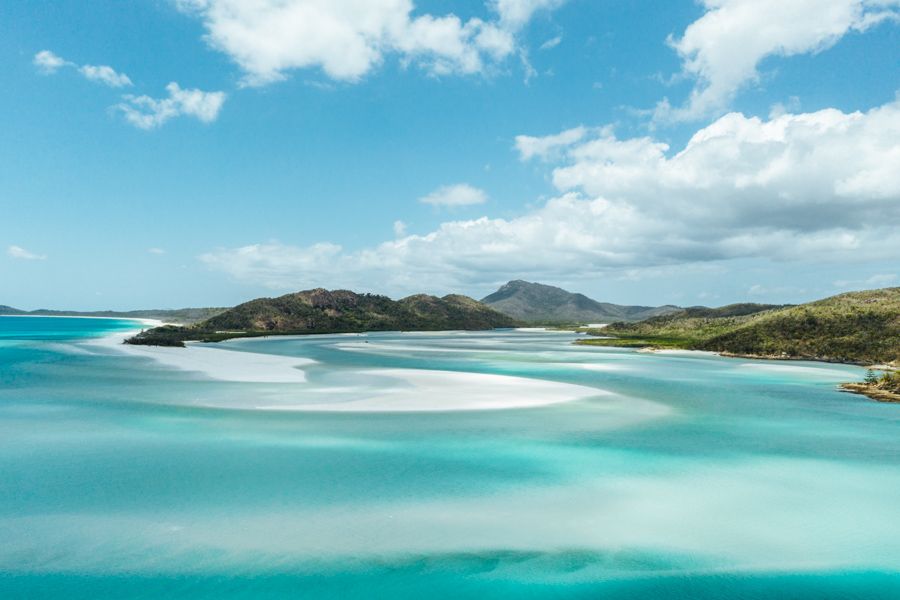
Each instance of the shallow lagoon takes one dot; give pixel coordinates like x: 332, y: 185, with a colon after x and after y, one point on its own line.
x: 685, y: 476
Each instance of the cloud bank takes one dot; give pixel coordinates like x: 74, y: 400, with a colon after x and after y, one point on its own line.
x: 819, y: 186
x: 349, y: 38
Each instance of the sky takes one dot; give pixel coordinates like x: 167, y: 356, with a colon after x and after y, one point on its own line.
x: 171, y: 153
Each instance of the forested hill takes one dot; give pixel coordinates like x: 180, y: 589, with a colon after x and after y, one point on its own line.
x: 856, y: 327
x: 340, y: 311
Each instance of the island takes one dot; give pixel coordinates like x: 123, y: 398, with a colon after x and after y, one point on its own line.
x: 338, y: 311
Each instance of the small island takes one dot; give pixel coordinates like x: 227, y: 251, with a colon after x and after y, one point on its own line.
x: 338, y: 311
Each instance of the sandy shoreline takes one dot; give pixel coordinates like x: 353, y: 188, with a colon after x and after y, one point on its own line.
x: 367, y: 389
x: 216, y: 363
x: 422, y: 390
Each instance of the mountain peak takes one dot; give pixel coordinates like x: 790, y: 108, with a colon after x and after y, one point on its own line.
x: 541, y: 303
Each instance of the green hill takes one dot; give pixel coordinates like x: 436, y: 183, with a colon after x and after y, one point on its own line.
x: 856, y: 327
x: 340, y: 311
x: 546, y: 304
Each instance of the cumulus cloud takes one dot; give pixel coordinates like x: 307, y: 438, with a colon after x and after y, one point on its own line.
x: 807, y: 170
x: 515, y: 14
x: 49, y: 63
x: 349, y: 38
x: 105, y: 74
x: 148, y: 113
x: 399, y: 229
x: 22, y: 254
x: 819, y: 186
x: 142, y: 111
x: 723, y: 48
x: 460, y: 194
x: 547, y: 146
x: 156, y: 251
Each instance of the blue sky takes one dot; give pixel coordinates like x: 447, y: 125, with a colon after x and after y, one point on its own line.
x: 204, y: 152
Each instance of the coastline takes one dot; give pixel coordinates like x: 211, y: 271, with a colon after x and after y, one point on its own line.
x: 656, y: 349
x: 870, y: 391
x: 148, y: 322
x: 213, y: 362
x: 862, y: 389
x: 377, y: 389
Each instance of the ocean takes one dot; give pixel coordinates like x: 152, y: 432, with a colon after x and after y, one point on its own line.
x: 506, y: 464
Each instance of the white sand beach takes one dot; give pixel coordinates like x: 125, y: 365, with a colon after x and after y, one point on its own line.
x: 213, y: 361
x: 359, y: 390
x: 366, y: 390
x: 418, y: 390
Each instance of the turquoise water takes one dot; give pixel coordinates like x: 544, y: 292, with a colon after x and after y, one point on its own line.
x: 686, y: 476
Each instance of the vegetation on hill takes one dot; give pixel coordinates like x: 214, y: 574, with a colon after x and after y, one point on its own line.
x: 549, y: 305
x: 340, y: 311
x: 179, y: 315
x: 856, y: 327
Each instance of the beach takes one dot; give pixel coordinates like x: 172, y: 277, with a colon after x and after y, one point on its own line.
x: 375, y: 390
x: 211, y: 361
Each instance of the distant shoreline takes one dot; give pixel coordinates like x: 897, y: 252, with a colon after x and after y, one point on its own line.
x: 862, y: 389
x: 148, y: 322
x: 608, y: 342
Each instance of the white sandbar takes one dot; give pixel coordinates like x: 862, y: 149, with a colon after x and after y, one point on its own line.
x: 418, y: 390
x: 361, y: 390
x: 214, y: 362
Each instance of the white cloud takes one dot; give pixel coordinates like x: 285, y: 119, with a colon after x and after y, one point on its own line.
x: 882, y: 279
x: 879, y: 280
x: 515, y: 14
x: 156, y: 251
x: 23, y: 254
x: 551, y: 43
x: 814, y: 187
x: 142, y: 111
x: 782, y: 108
x: 724, y: 47
x: 48, y: 63
x: 349, y: 38
x: 548, y: 146
x: 399, y: 229
x: 147, y: 113
x: 105, y: 74
x: 461, y: 194
x: 782, y: 291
